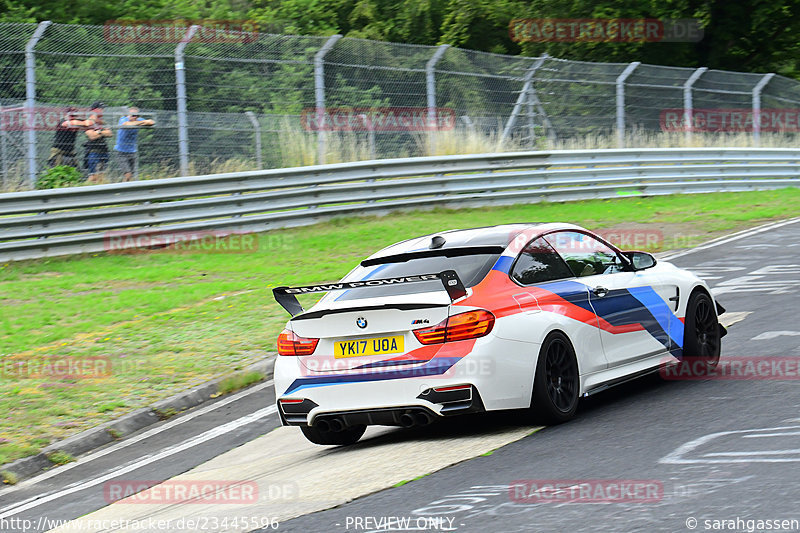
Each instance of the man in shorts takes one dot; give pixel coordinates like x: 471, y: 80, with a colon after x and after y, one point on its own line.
x: 125, y: 147
x: 96, y: 147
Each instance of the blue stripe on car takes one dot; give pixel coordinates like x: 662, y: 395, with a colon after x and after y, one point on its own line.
x: 503, y: 264
x: 434, y: 367
x: 621, y: 307
x: 661, y: 312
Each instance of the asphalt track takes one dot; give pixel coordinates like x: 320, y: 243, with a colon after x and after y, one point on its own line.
x: 715, y: 449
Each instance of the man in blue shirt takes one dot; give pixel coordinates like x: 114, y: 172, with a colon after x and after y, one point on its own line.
x: 126, y: 141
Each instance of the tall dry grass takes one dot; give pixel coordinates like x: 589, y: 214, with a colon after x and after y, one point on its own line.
x: 299, y: 148
x: 15, y: 177
x: 647, y: 139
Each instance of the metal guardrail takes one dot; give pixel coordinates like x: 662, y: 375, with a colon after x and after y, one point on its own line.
x: 82, y: 219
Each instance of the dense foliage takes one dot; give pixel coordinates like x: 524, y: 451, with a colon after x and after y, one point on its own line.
x: 739, y: 35
x: 59, y: 176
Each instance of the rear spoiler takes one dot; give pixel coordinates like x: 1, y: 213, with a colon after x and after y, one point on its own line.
x: 286, y: 296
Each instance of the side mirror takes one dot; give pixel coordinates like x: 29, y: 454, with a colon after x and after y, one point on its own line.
x: 641, y: 260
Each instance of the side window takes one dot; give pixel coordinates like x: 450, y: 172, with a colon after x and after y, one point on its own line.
x: 585, y: 255
x: 538, y: 263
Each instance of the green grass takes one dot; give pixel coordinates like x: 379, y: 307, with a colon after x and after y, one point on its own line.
x: 167, y: 321
x: 8, y: 478
x: 406, y: 481
x: 238, y: 382
x: 60, y: 458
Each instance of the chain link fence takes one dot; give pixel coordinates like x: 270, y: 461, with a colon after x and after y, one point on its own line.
x: 256, y: 100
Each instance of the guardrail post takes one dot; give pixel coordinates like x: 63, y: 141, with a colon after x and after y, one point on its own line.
x: 757, y: 107
x: 687, y: 100
x: 180, y: 90
x: 430, y: 90
x: 30, y: 98
x: 523, y: 96
x: 319, y: 94
x: 257, y: 130
x: 621, y: 102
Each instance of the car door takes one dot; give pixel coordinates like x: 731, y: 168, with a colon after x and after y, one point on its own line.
x: 547, y: 286
x: 632, y: 307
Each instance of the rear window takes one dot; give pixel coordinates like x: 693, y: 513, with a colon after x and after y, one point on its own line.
x: 470, y: 268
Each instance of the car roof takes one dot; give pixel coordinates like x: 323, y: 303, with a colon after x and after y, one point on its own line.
x: 501, y: 235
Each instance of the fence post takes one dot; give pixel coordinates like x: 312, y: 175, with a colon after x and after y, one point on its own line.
x: 3, y: 149
x: 180, y: 91
x: 687, y: 100
x: 257, y: 130
x: 30, y: 98
x: 319, y: 94
x: 523, y: 95
x: 757, y: 107
x: 621, y: 102
x: 430, y: 86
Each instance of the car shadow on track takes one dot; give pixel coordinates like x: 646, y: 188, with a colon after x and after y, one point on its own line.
x: 497, y: 421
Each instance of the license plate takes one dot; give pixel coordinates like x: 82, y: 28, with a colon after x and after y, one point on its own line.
x: 360, y: 347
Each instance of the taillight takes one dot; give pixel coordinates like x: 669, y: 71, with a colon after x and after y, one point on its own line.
x: 469, y: 325
x: 291, y: 344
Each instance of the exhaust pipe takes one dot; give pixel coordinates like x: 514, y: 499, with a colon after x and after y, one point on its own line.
x: 323, y: 425
x: 407, y: 420
x: 422, y: 418
x: 336, y: 425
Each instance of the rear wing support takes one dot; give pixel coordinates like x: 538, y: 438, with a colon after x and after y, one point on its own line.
x: 287, y: 296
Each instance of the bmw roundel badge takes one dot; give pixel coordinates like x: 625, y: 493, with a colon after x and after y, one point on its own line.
x: 361, y: 322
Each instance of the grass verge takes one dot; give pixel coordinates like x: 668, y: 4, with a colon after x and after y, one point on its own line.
x: 159, y: 322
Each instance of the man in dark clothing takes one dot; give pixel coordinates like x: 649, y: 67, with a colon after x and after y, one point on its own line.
x: 63, y: 150
x: 96, y: 148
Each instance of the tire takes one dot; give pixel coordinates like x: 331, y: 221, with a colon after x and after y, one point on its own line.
x: 347, y: 436
x: 556, y: 384
x: 701, y: 334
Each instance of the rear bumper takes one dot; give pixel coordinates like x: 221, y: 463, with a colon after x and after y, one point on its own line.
x: 498, y: 371
x: 428, y: 406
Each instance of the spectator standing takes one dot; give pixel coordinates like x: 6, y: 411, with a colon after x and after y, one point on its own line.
x: 126, y: 141
x: 63, y: 150
x: 96, y: 157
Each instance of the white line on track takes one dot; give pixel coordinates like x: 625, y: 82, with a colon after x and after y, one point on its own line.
x: 732, y: 237
x: 748, y: 453
x: 788, y: 434
x: 679, y: 455
x: 144, y: 461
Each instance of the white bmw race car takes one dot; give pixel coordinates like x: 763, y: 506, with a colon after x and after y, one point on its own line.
x: 516, y: 316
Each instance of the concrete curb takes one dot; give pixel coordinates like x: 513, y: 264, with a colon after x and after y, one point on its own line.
x: 122, y: 427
